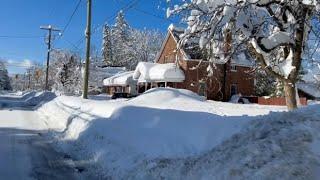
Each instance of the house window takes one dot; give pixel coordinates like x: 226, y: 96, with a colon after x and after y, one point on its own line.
x: 233, y: 89
x: 202, y: 88
x: 161, y: 84
x: 233, y: 68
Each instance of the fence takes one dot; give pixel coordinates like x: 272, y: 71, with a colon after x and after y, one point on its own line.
x: 274, y: 101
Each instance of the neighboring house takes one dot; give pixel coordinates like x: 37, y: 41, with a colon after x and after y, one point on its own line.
x: 98, y: 74
x: 122, y: 82
x: 149, y: 75
x: 228, y: 79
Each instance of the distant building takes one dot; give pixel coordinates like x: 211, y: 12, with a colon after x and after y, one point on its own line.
x: 121, y: 82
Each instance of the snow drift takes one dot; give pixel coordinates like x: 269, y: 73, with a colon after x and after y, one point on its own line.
x: 277, y: 146
x: 29, y: 99
x: 166, y: 130
x: 120, y: 135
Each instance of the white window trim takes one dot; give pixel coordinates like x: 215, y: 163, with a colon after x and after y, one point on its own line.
x: 232, y: 69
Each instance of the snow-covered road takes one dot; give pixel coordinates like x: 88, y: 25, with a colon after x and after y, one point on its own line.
x: 25, y: 153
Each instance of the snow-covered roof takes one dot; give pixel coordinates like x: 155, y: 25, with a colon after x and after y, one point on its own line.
x: 242, y: 59
x: 121, y: 79
x: 309, y: 88
x: 153, y: 72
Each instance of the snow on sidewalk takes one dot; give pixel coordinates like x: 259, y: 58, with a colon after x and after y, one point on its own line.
x: 118, y: 135
x: 26, y: 100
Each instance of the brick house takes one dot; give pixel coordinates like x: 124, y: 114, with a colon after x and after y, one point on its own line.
x: 230, y: 78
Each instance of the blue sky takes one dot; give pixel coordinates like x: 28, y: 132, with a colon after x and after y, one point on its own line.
x: 21, y: 19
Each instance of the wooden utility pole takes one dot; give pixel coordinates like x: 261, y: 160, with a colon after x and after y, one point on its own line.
x: 29, y: 79
x: 88, y: 36
x: 49, y: 29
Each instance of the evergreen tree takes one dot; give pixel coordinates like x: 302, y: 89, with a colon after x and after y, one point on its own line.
x: 4, y: 77
x: 120, y: 37
x: 107, y: 45
x: 265, y: 85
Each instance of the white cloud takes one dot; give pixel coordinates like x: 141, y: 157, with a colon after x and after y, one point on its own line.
x: 23, y: 63
x: 18, y: 66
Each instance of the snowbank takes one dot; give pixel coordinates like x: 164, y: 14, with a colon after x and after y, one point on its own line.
x: 277, y: 146
x: 119, y: 135
x: 29, y: 99
x: 157, y: 97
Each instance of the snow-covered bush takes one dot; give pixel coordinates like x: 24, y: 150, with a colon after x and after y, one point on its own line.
x: 65, y: 72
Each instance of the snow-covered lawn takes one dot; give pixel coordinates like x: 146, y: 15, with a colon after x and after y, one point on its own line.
x: 118, y: 136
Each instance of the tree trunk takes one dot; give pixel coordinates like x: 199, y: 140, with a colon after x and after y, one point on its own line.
x: 290, y: 94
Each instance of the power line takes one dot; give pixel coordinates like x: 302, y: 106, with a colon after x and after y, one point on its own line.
x: 69, y: 21
x: 20, y: 37
x: 126, y: 7
x: 153, y: 15
x: 71, y: 17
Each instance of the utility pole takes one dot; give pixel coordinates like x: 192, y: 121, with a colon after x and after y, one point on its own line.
x: 50, y: 29
x: 29, y: 78
x: 88, y: 36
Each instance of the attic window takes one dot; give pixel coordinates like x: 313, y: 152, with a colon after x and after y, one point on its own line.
x: 233, y: 68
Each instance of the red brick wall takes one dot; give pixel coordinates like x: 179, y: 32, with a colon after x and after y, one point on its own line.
x: 278, y: 101
x: 242, y: 78
x: 245, y: 84
x: 168, y: 55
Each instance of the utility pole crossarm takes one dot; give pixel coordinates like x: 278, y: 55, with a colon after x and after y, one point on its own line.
x: 49, y: 27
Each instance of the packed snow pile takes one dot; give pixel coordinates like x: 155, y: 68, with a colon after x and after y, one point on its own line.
x: 119, y: 136
x: 166, y: 96
x: 277, y: 146
x: 153, y: 72
x: 28, y: 99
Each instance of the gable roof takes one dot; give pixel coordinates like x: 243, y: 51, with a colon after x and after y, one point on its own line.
x: 191, y: 50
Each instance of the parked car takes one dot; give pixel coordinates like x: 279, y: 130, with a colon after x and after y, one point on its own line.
x: 119, y: 95
x: 239, y: 99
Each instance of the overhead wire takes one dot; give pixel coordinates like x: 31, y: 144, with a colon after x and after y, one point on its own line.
x: 19, y: 37
x: 126, y: 7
